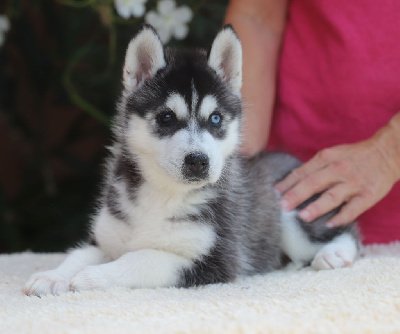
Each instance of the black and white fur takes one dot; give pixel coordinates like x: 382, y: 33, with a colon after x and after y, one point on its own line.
x: 179, y: 206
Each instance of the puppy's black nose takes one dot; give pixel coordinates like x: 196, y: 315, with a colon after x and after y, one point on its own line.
x: 196, y: 165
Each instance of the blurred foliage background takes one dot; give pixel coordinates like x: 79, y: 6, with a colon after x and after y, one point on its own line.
x: 60, y: 69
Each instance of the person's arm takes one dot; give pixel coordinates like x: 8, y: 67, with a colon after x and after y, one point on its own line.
x: 260, y: 25
x: 357, y: 175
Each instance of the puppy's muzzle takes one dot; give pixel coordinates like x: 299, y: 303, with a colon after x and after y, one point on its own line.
x: 196, y: 166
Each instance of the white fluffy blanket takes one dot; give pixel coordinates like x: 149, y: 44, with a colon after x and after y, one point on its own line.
x: 363, y: 298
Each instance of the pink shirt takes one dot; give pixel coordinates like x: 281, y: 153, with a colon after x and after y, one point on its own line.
x: 339, y: 82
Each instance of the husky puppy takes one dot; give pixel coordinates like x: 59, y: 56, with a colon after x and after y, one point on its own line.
x: 179, y: 206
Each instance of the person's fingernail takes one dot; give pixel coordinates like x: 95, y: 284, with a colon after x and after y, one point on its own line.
x: 305, y: 215
x: 284, y: 204
x: 329, y: 225
x: 277, y: 193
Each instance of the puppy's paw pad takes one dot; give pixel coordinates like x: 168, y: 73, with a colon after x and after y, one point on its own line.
x: 332, y: 258
x: 44, y: 283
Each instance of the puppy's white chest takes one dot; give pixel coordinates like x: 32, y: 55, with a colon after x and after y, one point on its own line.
x: 157, y: 222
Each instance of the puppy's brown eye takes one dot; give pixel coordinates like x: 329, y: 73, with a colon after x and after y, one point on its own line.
x: 166, y: 117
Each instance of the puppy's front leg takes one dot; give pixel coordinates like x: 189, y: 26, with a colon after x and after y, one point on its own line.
x: 147, y: 268
x: 57, y: 280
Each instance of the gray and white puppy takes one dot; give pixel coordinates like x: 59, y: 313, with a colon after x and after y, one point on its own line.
x: 179, y: 206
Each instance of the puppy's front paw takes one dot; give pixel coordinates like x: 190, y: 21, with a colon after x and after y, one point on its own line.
x: 332, y: 258
x: 46, y: 282
x: 90, y: 278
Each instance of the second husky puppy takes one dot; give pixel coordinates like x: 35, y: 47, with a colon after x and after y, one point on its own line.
x: 179, y: 206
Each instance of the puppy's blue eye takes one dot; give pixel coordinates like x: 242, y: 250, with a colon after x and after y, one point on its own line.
x: 166, y: 117
x: 215, y: 119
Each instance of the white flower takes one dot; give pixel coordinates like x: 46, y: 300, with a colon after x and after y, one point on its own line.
x: 170, y: 21
x: 128, y: 8
x: 4, y: 27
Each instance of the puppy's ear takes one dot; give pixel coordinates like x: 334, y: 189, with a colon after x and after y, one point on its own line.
x: 144, y: 57
x: 226, y: 58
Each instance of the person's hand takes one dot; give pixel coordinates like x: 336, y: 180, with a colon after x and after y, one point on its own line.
x: 356, y: 175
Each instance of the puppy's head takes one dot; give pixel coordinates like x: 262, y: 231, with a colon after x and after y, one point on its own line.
x: 181, y: 110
